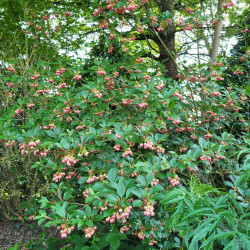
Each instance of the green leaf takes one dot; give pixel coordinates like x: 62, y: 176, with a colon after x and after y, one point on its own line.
x: 90, y: 137
x: 65, y: 143
x: 248, y: 90
x: 220, y: 235
x: 150, y: 178
x: 82, y: 180
x: 60, y: 210
x: 67, y: 195
x: 37, y: 217
x: 244, y: 239
x: 61, y: 99
x: 154, y: 189
x: 112, y: 198
x: 112, y: 174
x: 199, y: 234
x: 115, y: 242
x: 88, y: 211
x: 56, y: 130
x: 98, y: 217
x: 197, y: 153
x: 50, y: 133
x: 81, y: 213
x: 41, y: 221
x: 89, y: 199
x: 121, y: 142
x: 142, y: 180
x: 89, y: 223
x: 173, y: 196
x: 84, y: 94
x: 200, y: 211
x: 121, y: 189
x: 16, y: 247
x: 121, y: 3
x: 109, y: 236
x: 202, y: 143
x: 171, y: 104
x: 231, y: 245
x: 137, y: 203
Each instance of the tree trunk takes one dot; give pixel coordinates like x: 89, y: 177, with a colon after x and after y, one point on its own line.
x: 167, y: 56
x: 217, y: 35
x: 166, y: 42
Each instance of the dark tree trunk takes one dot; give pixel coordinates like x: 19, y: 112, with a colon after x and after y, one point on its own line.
x: 167, y: 56
x: 166, y: 42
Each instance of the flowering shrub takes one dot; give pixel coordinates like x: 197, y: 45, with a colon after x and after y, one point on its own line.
x: 131, y: 157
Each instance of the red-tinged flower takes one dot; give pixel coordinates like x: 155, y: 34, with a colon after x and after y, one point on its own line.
x: 46, y: 18
x: 214, y: 22
x: 140, y: 29
x: 193, y: 79
x: 219, y: 78
x: 188, y: 26
x: 227, y: 5
x: 189, y: 10
x: 244, y: 31
x: 10, y: 84
x: 132, y: 7
x: 238, y: 72
x: 77, y: 78
x: 11, y: 69
x: 67, y: 14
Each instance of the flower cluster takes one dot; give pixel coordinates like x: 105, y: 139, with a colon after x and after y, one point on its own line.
x: 127, y: 153
x: 64, y: 230
x: 69, y: 160
x: 89, y: 231
x: 58, y: 176
x: 120, y: 215
x: 174, y: 181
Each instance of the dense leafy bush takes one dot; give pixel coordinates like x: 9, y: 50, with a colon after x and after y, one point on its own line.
x: 128, y: 157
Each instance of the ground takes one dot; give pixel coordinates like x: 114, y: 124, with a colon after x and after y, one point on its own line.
x: 21, y: 232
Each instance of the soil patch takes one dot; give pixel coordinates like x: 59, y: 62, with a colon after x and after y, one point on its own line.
x: 22, y: 232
